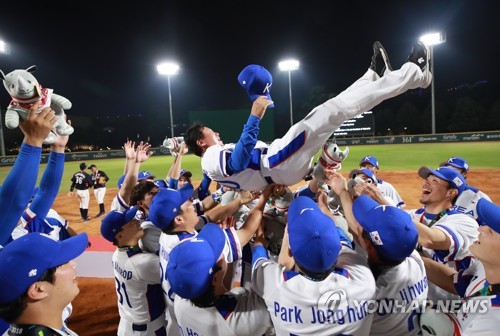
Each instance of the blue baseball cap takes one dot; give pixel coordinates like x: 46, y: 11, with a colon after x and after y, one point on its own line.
x: 120, y: 180
x: 161, y: 183
x: 24, y: 260
x: 257, y: 81
x: 445, y: 173
x: 114, y: 220
x: 456, y: 162
x: 391, y: 229
x: 191, y: 265
x: 369, y: 159
x: 145, y: 175
x: 488, y: 213
x: 365, y: 171
x: 313, y: 236
x: 166, y: 204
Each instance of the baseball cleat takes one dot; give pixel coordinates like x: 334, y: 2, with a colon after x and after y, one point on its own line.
x: 380, y: 61
x: 421, y: 56
x: 86, y: 220
x: 331, y: 157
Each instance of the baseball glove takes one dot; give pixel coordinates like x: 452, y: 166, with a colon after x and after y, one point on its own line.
x: 102, y: 180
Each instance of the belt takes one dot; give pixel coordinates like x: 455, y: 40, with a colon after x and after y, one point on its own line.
x: 269, y: 180
x: 139, y: 327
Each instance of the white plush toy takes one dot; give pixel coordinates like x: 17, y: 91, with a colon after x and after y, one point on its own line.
x: 25, y: 90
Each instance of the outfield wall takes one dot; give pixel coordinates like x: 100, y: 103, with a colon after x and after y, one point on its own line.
x: 396, y: 139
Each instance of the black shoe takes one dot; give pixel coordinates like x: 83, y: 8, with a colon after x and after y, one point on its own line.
x: 99, y: 214
x: 86, y: 220
x: 421, y: 56
x: 380, y: 61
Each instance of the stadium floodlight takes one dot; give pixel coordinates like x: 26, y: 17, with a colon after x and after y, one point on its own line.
x: 289, y: 65
x: 169, y: 69
x: 432, y: 39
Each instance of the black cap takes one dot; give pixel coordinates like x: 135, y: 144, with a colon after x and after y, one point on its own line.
x: 92, y: 166
x: 83, y: 165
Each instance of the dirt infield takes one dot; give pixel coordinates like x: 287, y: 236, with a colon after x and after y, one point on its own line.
x: 95, y: 311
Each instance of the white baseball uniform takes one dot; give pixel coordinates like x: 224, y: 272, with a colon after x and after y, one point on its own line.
x: 462, y: 232
x: 287, y: 160
x: 467, y: 201
x: 406, y: 285
x: 241, y: 313
x: 83, y: 197
x: 138, y: 286
x: 301, y: 306
x: 469, y: 284
x: 232, y: 252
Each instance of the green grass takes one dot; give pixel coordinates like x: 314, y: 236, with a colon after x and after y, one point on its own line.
x: 391, y: 157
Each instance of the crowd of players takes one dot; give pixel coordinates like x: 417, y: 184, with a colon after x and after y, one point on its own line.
x: 336, y: 256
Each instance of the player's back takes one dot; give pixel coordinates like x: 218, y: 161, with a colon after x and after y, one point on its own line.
x: 302, y: 306
x: 401, y: 290
x: 137, y: 275
x: 240, y: 313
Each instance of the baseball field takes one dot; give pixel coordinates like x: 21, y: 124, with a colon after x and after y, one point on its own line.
x: 95, y: 311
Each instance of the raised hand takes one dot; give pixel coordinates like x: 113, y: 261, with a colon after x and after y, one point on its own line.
x: 37, y: 126
x: 142, y: 153
x: 129, y: 148
x: 335, y: 180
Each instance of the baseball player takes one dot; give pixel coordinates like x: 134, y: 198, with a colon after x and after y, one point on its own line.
x: 17, y: 187
x: 467, y: 200
x: 444, y: 234
x: 173, y: 212
x: 82, y: 182
x: 327, y: 291
x: 99, y: 179
x: 251, y: 165
x: 37, y: 277
x: 389, y: 237
x: 138, y: 280
x: 387, y: 189
x: 203, y: 304
x: 478, y: 286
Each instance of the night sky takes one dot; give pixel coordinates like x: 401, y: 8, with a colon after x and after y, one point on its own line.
x: 104, y: 59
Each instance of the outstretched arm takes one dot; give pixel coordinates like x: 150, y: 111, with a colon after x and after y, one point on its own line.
x: 51, y: 179
x: 254, y: 219
x: 134, y: 156
x: 242, y: 153
x: 18, y: 186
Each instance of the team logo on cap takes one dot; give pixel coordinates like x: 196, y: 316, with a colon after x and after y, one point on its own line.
x: 376, y: 238
x: 267, y: 88
x: 32, y: 273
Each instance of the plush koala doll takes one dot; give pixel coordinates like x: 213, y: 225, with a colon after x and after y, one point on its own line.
x: 25, y: 90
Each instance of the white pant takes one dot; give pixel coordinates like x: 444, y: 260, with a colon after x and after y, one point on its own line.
x: 364, y: 94
x: 99, y: 194
x: 83, y: 197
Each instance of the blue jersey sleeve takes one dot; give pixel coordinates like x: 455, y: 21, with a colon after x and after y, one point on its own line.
x: 173, y: 183
x: 49, y: 185
x: 17, y: 189
x: 242, y: 153
x: 203, y: 189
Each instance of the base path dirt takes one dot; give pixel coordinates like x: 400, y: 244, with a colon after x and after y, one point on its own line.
x: 95, y: 310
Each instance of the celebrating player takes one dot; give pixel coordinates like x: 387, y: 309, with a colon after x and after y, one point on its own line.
x: 467, y: 201
x: 319, y: 296
x: 251, y: 165
x: 37, y: 276
x: 140, y: 299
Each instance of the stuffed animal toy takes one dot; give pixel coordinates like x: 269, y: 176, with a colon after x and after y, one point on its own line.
x: 25, y: 90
